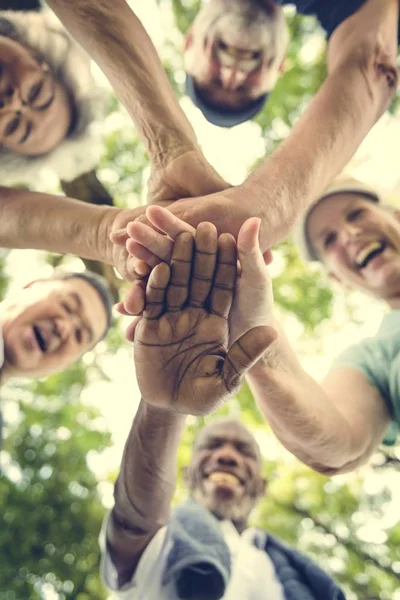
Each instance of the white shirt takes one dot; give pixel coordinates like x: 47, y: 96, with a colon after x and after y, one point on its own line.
x: 253, y: 574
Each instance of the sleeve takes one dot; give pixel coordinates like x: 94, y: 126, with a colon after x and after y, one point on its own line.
x: 147, y: 575
x: 329, y: 14
x: 367, y: 358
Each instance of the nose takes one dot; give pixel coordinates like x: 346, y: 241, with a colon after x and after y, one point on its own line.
x: 11, y: 100
x: 232, y: 77
x: 349, y: 232
x: 66, y: 326
x: 227, y: 457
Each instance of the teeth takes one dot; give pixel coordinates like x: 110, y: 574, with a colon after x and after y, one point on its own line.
x: 220, y: 477
x: 366, y: 251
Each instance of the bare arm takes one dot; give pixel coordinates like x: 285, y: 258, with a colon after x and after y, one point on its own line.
x: 54, y: 223
x: 361, y: 81
x: 333, y: 427
x: 117, y: 41
x: 145, y: 486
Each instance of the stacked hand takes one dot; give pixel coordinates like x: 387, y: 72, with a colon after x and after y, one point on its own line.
x: 253, y: 300
x: 185, y: 360
x: 186, y: 176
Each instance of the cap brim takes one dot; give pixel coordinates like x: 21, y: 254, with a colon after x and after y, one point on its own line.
x: 217, y: 115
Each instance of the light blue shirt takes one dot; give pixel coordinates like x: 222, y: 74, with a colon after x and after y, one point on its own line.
x: 378, y: 359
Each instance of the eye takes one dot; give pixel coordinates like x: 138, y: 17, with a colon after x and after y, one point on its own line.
x: 78, y: 335
x: 67, y: 308
x: 34, y: 92
x: 330, y: 239
x: 222, y: 45
x: 355, y: 214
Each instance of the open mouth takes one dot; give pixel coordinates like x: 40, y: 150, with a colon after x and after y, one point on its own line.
x: 40, y: 338
x: 368, y: 253
x: 224, y: 479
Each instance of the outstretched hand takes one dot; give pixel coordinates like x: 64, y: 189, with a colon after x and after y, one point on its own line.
x: 183, y: 357
x: 150, y: 244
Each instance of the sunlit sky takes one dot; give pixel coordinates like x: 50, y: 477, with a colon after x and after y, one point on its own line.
x: 231, y: 152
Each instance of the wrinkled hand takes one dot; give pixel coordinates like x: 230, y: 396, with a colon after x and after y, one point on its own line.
x: 184, y: 361
x: 187, y: 175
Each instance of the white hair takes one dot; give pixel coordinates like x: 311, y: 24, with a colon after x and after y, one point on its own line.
x: 79, y: 152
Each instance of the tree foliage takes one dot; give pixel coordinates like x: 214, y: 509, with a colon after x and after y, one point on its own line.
x: 52, y: 507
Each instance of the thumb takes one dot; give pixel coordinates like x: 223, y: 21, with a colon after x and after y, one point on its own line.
x: 244, y: 354
x: 250, y: 256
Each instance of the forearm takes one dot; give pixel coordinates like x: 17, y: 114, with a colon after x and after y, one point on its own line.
x: 300, y: 412
x: 54, y: 223
x: 117, y: 41
x: 145, y: 485
x: 361, y: 81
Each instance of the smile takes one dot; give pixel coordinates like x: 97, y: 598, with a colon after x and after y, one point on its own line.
x: 223, y: 478
x: 368, y: 253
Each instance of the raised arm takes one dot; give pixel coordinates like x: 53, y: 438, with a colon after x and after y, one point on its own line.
x: 333, y: 427
x: 118, y: 42
x: 145, y: 486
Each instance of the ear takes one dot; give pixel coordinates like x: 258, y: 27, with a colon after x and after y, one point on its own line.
x: 282, y: 67
x: 188, y: 40
x: 30, y: 284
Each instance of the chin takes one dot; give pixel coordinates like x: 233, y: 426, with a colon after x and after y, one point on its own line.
x: 225, y: 508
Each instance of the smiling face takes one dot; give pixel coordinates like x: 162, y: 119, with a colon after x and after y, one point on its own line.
x: 35, y: 113
x: 234, y: 50
x: 224, y: 473
x: 359, y: 242
x: 50, y: 325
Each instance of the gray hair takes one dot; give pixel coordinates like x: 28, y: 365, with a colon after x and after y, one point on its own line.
x: 45, y: 37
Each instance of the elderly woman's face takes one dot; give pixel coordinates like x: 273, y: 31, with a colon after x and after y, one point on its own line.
x: 35, y: 113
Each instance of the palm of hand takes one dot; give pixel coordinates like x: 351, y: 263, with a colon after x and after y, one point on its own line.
x: 183, y: 359
x: 184, y: 351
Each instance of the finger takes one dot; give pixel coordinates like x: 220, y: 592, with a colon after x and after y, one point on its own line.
x: 250, y: 256
x: 223, y: 288
x: 181, y: 265
x: 164, y: 220
x: 135, y: 297
x: 141, y: 253
x: 155, y: 242
x: 120, y: 308
x: 205, y: 258
x: 130, y: 330
x: 244, y: 353
x: 155, y: 292
x: 119, y: 237
x: 142, y: 269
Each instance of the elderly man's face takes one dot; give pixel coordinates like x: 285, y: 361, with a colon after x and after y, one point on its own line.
x: 224, y: 474
x: 34, y: 109
x: 50, y: 325
x: 359, y: 241
x: 235, y: 49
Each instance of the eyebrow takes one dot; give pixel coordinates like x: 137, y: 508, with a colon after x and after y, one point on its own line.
x: 79, y: 305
